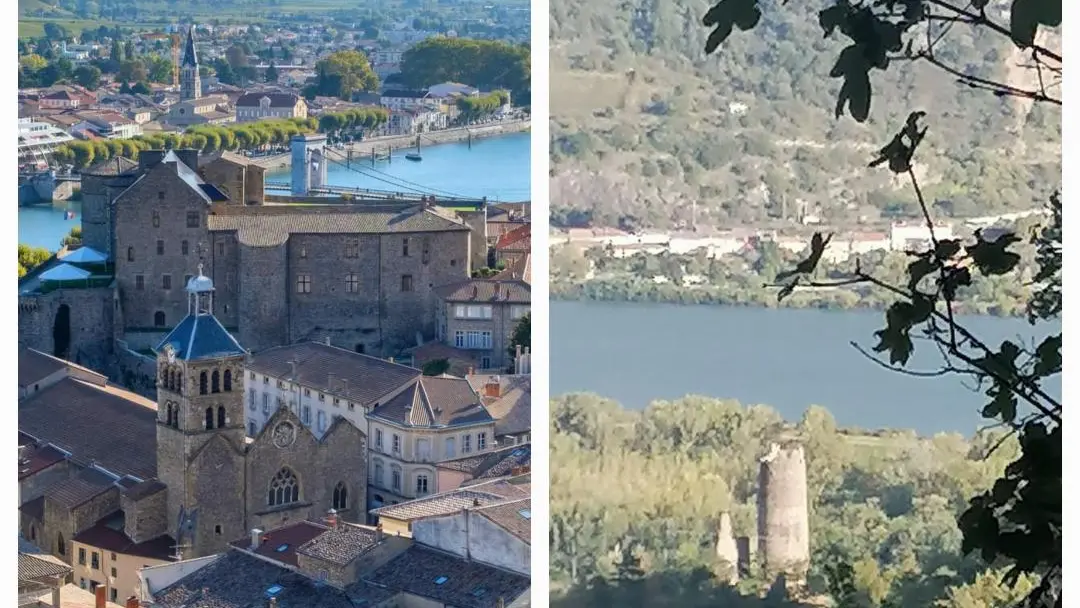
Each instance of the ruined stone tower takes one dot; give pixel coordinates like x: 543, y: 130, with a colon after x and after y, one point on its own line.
x: 783, y: 515
x: 727, y: 550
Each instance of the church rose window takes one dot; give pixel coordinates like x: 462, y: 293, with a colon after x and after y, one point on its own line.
x: 284, y: 489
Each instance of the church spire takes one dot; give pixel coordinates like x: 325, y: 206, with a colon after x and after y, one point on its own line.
x: 190, y: 58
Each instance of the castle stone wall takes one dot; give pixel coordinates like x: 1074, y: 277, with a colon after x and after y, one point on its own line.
x: 783, y: 526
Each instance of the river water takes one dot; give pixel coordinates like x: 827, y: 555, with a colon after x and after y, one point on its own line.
x: 787, y: 359
x: 495, y: 167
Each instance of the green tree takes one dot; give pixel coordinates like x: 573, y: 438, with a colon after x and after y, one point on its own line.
x: 436, y: 367
x: 345, y: 73
x: 31, y: 257
x: 271, y: 73
x: 522, y: 335
x: 1020, y: 519
x: 88, y: 76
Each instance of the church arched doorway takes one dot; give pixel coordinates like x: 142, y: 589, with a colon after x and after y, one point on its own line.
x: 62, y: 332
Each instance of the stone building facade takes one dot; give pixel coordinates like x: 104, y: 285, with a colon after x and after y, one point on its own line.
x: 480, y: 316
x: 361, y: 275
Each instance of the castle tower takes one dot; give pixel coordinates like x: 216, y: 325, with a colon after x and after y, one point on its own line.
x: 200, y: 430
x: 783, y: 514
x: 190, y: 83
x: 308, y: 162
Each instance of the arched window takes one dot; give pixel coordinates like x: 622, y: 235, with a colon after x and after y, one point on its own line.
x: 180, y: 381
x: 131, y: 254
x: 61, y: 545
x: 209, y: 418
x: 215, y: 382
x: 341, y: 497
x: 168, y: 413
x: 33, y: 532
x: 171, y: 382
x: 159, y: 319
x: 221, y: 416
x: 228, y: 380
x: 377, y: 475
x: 284, y: 489
x: 202, y: 383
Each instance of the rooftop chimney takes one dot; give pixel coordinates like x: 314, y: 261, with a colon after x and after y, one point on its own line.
x: 332, y: 519
x: 132, y: 602
x: 99, y: 596
x: 330, y: 382
x: 378, y: 533
x: 328, y: 340
x: 500, y: 603
x: 493, y: 388
x: 470, y: 371
x: 273, y: 602
x: 256, y: 535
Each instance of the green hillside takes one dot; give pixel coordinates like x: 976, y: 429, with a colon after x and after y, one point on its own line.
x: 644, y: 123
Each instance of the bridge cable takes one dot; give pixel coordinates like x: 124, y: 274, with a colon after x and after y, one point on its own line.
x: 415, y: 186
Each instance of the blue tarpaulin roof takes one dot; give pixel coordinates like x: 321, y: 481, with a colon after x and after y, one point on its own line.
x: 86, y: 255
x: 201, y: 336
x: 64, y: 272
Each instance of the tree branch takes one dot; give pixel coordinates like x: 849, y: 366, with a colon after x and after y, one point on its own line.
x: 983, y: 83
x: 981, y: 19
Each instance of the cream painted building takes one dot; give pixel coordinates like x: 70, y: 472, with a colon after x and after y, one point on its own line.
x: 263, y: 106
x: 105, y: 557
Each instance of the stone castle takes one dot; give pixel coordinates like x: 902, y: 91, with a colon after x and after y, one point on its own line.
x: 362, y: 275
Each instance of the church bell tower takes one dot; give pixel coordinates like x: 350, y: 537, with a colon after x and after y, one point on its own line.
x: 201, y: 419
x: 190, y: 82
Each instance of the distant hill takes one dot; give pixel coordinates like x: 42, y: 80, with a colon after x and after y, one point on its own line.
x: 647, y: 131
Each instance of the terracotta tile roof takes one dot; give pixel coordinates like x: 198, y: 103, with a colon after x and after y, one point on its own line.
x: 281, y: 544
x: 33, y: 459
x: 40, y: 566
x: 108, y: 535
x: 448, y: 579
x: 434, y: 402
x: 114, y: 428
x: 514, y: 517
x: 271, y: 226
x: 34, y: 366
x: 71, y: 493
x: 488, y: 291
x: 500, y: 463
x: 238, y: 580
x: 341, y: 545
x: 520, y: 267
x: 512, y: 409
x: 446, y: 503
x: 359, y: 378
x: 518, y: 238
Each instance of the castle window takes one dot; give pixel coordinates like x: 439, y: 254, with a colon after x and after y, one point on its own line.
x: 221, y: 249
x: 160, y: 197
x: 168, y: 414
x: 405, y: 247
x: 61, y: 545
x: 221, y: 416
x: 209, y: 418
x: 352, y: 283
x: 166, y: 281
x: 159, y: 320
x: 284, y: 489
x: 352, y: 249
x: 421, y: 485
x: 183, y: 247
x: 131, y: 254
x: 303, y: 283
x: 341, y: 497
x: 161, y: 247
x: 406, y: 282
x: 202, y: 383
x: 157, y: 216
x: 193, y: 219
x: 215, y: 382
x: 425, y: 253
x: 303, y: 252
x: 217, y: 529
x: 228, y: 380
x: 33, y: 533
x: 453, y: 262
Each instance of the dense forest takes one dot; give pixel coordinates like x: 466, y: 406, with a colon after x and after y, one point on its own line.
x: 643, y: 123
x: 636, y: 497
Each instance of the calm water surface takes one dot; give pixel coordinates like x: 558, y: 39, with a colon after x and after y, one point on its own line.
x: 788, y: 359
x: 495, y: 167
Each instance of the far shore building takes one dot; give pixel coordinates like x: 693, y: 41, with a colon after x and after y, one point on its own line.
x: 262, y: 106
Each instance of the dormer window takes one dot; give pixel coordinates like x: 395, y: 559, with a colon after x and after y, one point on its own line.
x: 264, y: 102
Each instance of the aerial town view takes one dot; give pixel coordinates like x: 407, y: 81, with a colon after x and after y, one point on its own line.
x: 806, y: 334
x: 274, y: 304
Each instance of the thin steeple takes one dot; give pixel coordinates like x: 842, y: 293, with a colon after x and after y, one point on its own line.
x: 190, y: 58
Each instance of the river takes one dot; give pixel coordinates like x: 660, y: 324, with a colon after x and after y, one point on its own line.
x: 495, y: 167
x: 788, y: 359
